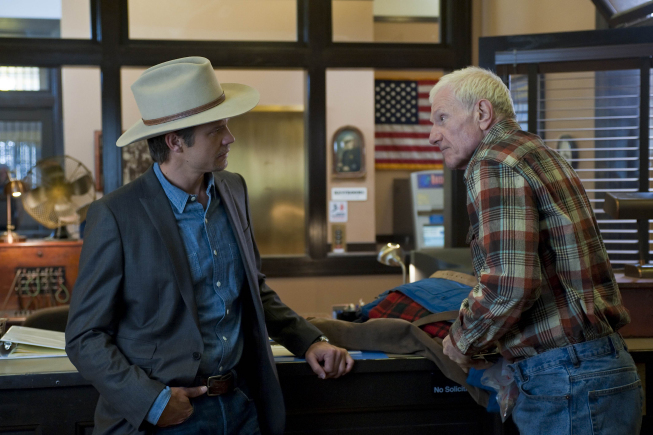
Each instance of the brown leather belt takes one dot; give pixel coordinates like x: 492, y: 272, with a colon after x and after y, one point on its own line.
x: 217, y: 385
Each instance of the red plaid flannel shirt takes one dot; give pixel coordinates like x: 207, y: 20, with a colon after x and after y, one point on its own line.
x: 545, y: 280
x: 398, y: 305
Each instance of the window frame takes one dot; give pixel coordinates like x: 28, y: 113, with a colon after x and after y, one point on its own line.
x: 314, y: 51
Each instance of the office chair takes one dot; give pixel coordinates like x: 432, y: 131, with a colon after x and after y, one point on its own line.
x: 52, y: 318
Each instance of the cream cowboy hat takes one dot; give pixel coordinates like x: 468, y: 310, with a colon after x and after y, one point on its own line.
x: 183, y: 93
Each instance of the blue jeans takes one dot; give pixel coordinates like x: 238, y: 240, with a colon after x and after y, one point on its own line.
x: 587, y: 388
x: 230, y: 414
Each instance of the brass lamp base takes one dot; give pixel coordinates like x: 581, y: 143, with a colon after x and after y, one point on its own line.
x: 4, y: 237
x: 638, y: 270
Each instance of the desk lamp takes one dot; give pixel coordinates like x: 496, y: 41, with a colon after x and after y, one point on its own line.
x: 12, y: 188
x: 393, y: 255
x: 633, y: 205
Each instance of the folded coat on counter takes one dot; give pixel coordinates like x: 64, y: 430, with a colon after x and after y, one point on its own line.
x: 398, y: 336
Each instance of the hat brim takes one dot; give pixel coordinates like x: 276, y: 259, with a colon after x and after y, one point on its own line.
x: 239, y: 99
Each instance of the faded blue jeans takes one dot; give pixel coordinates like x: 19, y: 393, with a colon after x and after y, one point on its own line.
x: 587, y: 388
x: 231, y: 414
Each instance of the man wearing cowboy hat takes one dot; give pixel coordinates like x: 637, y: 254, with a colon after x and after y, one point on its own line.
x: 170, y: 315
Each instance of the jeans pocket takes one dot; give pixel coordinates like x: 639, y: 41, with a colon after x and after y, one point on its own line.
x: 242, y: 390
x: 552, y: 385
x: 242, y: 393
x: 544, y: 401
x: 617, y: 410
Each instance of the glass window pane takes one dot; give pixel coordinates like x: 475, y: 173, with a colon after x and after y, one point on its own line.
x: 211, y: 20
x: 519, y: 92
x: 45, y: 19
x: 29, y: 133
x: 82, y: 116
x: 269, y: 152
x: 21, y: 78
x: 390, y: 21
x: 368, y: 100
x: 401, y: 148
x: 20, y: 146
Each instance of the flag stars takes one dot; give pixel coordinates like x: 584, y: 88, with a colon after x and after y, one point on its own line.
x: 396, y: 102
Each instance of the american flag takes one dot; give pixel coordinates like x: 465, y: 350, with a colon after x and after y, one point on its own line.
x: 402, y: 125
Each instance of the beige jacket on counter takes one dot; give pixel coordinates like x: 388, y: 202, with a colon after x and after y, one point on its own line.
x: 397, y: 336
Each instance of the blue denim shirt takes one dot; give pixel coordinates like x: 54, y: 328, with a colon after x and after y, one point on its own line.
x: 218, y: 274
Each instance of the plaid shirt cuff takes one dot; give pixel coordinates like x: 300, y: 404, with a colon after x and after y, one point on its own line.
x: 457, y: 338
x: 465, y: 339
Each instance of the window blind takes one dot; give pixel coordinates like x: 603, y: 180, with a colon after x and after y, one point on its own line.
x: 20, y: 146
x: 592, y: 119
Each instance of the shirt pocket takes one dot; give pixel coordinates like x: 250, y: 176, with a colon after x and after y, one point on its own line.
x: 195, y: 268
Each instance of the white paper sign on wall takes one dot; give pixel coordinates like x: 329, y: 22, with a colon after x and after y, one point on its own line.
x: 337, y: 211
x: 349, y: 194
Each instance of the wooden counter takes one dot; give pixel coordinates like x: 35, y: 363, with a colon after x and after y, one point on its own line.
x: 379, y: 397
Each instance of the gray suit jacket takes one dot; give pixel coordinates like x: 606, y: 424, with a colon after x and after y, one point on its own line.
x: 133, y: 325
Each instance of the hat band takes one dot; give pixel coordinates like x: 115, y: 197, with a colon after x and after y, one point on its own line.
x: 185, y: 113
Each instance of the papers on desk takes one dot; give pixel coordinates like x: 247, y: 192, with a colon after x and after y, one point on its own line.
x: 279, y: 350
x: 24, y: 342
x: 357, y: 355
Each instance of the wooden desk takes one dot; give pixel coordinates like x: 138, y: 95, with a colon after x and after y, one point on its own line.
x: 637, y: 295
x: 378, y: 397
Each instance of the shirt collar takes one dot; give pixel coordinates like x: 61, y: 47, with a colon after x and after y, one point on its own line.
x: 496, y: 133
x: 178, y: 197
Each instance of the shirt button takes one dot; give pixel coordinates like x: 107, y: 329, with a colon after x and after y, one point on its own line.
x: 197, y: 355
x: 206, y: 221
x: 218, y: 283
x: 224, y: 338
x: 215, y: 252
x: 192, y: 198
x: 227, y: 310
x: 220, y: 369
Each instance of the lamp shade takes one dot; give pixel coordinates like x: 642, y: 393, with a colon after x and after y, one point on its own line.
x: 391, y: 255
x: 14, y: 188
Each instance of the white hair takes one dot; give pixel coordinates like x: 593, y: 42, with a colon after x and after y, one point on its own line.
x: 472, y: 84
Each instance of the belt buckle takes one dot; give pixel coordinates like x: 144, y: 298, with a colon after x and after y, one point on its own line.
x: 219, y: 378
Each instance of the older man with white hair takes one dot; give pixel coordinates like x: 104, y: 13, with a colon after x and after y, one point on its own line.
x: 546, y: 294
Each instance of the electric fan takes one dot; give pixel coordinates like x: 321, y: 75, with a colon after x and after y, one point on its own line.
x: 58, y: 192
